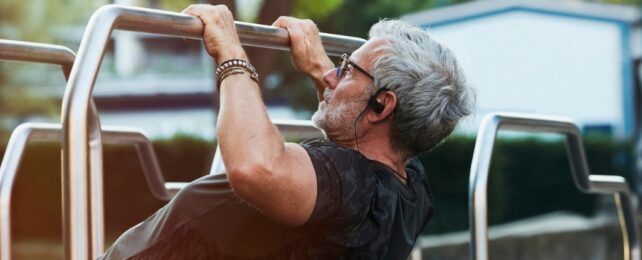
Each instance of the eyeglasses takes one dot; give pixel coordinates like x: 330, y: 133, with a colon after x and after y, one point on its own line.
x: 346, y: 64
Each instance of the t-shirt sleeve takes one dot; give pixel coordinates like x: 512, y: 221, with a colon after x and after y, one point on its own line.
x: 329, y: 190
x: 340, y: 191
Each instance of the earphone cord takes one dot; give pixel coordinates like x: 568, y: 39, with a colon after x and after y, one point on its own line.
x: 405, y: 179
x: 356, y: 139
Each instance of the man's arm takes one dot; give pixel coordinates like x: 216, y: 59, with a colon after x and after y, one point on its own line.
x: 277, y: 178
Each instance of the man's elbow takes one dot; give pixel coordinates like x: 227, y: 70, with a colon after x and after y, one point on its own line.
x: 244, y: 178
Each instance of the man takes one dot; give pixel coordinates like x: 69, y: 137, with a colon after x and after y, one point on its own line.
x: 357, y: 195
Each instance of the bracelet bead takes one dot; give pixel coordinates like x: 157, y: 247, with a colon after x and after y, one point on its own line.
x: 234, y: 66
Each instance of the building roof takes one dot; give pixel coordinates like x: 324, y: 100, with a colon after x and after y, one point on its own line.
x: 471, y: 10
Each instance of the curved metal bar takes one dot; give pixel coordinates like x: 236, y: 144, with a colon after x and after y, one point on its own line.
x: 63, y: 56
x: 24, y: 133
x: 76, y: 104
x: 176, y: 24
x: 39, y: 53
x: 8, y: 170
x: 584, y: 181
x: 54, y: 54
x: 146, y: 154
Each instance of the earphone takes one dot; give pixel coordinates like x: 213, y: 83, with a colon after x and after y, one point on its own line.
x: 376, y: 106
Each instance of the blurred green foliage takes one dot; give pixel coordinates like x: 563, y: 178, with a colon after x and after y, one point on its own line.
x: 43, y: 21
x: 528, y: 177
x: 37, y: 20
x: 176, y: 5
x: 315, y: 10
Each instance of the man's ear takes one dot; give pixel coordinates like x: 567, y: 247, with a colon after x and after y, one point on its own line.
x: 388, y: 102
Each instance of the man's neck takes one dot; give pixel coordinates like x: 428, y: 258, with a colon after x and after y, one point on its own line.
x: 375, y: 144
x: 375, y: 147
x: 382, y: 152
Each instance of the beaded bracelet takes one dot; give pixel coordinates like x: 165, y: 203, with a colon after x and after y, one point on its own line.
x: 234, y: 66
x: 227, y: 73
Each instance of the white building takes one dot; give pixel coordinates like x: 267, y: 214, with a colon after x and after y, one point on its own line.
x: 572, y: 59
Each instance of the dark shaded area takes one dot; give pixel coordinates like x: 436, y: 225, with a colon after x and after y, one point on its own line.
x: 528, y: 177
x: 37, y: 194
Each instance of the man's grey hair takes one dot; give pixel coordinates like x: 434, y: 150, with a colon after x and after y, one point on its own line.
x: 429, y: 84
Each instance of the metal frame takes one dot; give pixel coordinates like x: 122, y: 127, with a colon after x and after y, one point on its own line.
x: 52, y: 54
x: 584, y: 180
x: 23, y: 134
x: 59, y: 55
x: 38, y: 53
x: 80, y: 134
x: 27, y: 132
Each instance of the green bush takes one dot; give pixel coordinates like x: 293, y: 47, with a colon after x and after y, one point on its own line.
x: 528, y: 177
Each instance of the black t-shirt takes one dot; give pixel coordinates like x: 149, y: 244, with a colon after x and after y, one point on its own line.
x: 362, y: 211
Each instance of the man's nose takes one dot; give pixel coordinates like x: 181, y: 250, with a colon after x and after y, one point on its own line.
x: 330, y: 78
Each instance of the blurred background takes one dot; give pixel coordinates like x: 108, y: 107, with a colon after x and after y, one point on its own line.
x: 579, y: 59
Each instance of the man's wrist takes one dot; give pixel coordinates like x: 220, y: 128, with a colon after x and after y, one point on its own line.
x: 320, y: 69
x: 232, y: 53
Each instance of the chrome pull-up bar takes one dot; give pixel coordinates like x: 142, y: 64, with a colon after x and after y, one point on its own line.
x: 584, y: 180
x: 77, y: 161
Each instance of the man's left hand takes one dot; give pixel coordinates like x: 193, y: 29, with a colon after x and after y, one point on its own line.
x: 219, y: 33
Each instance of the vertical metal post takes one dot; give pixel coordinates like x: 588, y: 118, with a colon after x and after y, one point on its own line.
x: 29, y: 52
x: 584, y: 181
x: 63, y: 56
x: 26, y: 132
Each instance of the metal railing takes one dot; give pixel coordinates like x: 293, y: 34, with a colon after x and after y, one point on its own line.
x: 38, y: 53
x: 79, y: 132
x: 59, y: 55
x: 586, y: 182
x: 27, y: 132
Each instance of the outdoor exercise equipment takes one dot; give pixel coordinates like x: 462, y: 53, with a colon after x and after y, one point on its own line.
x: 82, y: 138
x: 20, y: 137
x: 584, y: 180
x: 82, y: 233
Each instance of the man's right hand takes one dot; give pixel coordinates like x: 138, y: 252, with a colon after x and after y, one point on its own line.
x: 308, y: 55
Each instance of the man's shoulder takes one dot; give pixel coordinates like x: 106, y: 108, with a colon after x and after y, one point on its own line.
x: 319, y: 143
x: 417, y: 168
x: 340, y: 157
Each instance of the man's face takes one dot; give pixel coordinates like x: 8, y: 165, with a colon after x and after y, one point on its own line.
x: 346, y: 96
